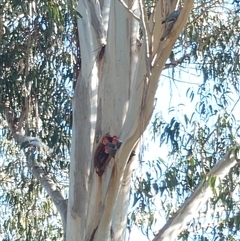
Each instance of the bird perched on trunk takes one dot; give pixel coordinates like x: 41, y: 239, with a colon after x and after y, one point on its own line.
x: 172, y: 17
x: 31, y: 142
x: 167, y: 31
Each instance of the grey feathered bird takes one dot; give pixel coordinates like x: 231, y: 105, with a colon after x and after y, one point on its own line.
x: 167, y: 31
x: 116, y: 142
x: 111, y: 151
x: 35, y: 142
x: 106, y: 142
x: 172, y: 16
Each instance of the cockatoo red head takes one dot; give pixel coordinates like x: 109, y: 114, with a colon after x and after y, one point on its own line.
x: 109, y: 150
x: 105, y: 140
x: 116, y: 142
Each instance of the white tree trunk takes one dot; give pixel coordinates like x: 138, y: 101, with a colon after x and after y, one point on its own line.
x: 114, y: 95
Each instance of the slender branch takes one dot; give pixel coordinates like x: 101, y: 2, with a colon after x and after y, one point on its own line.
x: 194, y: 203
x: 181, y: 81
x: 177, y: 62
x: 164, y: 46
x: 235, y: 105
x: 147, y: 36
x: 36, y: 170
x: 129, y: 10
x: 22, y: 119
x: 49, y: 185
x: 9, y: 115
x: 206, y: 8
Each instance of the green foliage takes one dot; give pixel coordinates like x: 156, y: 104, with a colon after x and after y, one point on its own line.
x: 37, y: 68
x: 208, y: 47
x: 38, y: 62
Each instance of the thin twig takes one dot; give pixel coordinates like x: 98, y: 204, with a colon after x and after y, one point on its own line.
x: 180, y: 81
x: 129, y: 10
x: 235, y: 105
x: 147, y: 36
x: 47, y: 182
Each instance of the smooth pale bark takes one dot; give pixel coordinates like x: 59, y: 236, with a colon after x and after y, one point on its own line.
x: 115, y: 95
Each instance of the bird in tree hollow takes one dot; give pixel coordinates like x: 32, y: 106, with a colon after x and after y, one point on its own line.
x: 111, y: 145
x: 110, y: 150
x: 106, y: 142
x: 116, y: 142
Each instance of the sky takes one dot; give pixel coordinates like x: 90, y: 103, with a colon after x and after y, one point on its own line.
x: 168, y: 94
x: 171, y: 94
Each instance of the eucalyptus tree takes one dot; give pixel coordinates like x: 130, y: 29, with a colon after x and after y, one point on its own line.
x: 114, y: 96
x: 38, y: 52
x: 113, y: 56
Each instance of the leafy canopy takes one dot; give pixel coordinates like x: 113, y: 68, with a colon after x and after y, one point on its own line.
x: 40, y: 60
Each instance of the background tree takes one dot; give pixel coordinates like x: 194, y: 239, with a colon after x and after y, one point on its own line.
x: 114, y: 93
x: 37, y: 54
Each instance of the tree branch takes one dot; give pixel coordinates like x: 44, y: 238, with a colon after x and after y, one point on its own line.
x: 129, y: 10
x: 175, y: 63
x: 50, y: 187
x: 166, y: 46
x: 119, y: 220
x: 147, y: 37
x: 37, y: 171
x: 195, y: 202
